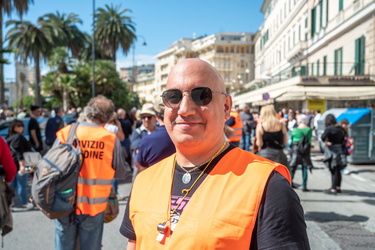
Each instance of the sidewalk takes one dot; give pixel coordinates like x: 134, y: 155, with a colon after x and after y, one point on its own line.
x: 342, y: 221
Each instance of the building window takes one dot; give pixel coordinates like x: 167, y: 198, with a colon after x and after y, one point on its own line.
x: 321, y: 14
x: 341, y: 5
x: 360, y: 56
x: 318, y: 67
x: 338, y: 62
x: 313, y: 20
x: 327, y: 4
x: 325, y: 65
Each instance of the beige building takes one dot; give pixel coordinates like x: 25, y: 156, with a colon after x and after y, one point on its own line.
x: 145, y: 87
x: 231, y: 53
x: 314, y: 54
x: 22, y: 86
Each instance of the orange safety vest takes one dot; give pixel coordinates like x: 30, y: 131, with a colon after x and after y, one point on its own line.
x: 95, y: 178
x: 237, y: 127
x: 218, y: 215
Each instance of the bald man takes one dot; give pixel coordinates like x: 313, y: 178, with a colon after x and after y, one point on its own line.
x: 210, y: 194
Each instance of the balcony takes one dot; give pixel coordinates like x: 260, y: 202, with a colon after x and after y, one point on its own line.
x: 296, y: 51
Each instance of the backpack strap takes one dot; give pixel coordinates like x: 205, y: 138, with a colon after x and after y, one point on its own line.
x: 72, y: 133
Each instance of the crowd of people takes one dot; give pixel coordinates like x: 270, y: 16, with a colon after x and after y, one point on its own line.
x: 197, y: 151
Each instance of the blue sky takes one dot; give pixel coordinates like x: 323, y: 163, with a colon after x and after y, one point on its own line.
x: 158, y: 23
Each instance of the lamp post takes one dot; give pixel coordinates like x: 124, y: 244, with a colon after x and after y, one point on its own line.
x: 93, y: 50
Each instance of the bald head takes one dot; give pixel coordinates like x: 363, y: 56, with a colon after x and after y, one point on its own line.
x: 185, y: 70
x: 121, y: 113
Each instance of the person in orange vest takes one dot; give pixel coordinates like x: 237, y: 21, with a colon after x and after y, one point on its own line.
x: 103, y: 161
x: 210, y: 194
x: 235, y: 124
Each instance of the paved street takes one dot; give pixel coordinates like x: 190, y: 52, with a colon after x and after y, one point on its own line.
x: 343, y: 221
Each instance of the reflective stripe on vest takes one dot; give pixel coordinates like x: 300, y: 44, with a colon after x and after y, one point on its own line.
x: 91, y: 201
x: 86, y: 181
x: 237, y: 127
x: 95, y: 177
x: 231, y: 224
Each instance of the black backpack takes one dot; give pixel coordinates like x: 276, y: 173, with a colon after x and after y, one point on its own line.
x: 55, y: 180
x: 303, y: 145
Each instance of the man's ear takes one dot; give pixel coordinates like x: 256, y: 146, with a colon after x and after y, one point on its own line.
x: 227, y: 106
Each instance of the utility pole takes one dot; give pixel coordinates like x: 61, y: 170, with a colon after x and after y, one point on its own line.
x: 93, y: 50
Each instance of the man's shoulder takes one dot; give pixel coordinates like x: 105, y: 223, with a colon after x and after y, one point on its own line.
x: 159, y: 168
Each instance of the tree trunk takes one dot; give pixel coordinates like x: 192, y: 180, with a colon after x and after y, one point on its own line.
x: 2, y: 84
x: 65, y: 98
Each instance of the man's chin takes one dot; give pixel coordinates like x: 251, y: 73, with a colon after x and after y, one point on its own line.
x: 184, y: 139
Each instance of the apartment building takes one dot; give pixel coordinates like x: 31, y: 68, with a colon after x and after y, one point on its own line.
x: 316, y: 54
x: 232, y: 54
x: 22, y: 86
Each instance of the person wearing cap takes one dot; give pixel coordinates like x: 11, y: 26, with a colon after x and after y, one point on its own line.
x: 148, y: 119
x: 156, y: 146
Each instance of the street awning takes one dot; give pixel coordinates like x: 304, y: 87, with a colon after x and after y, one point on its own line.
x: 327, y: 92
x: 299, y: 93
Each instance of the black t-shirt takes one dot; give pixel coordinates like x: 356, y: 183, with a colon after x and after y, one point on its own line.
x: 33, y: 124
x: 126, y: 127
x: 334, y: 134
x: 280, y: 221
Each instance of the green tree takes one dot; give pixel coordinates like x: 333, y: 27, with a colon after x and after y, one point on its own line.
x: 6, y: 8
x: 66, y: 33
x: 2, y: 51
x: 33, y: 42
x: 107, y: 80
x: 86, y: 52
x: 58, y: 82
x: 114, y: 30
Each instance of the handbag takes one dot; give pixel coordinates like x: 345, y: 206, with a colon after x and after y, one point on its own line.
x: 112, y: 208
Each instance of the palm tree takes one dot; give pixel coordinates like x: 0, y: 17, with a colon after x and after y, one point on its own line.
x: 67, y: 32
x: 2, y: 51
x: 33, y: 42
x: 113, y: 30
x: 86, y: 52
x: 6, y: 8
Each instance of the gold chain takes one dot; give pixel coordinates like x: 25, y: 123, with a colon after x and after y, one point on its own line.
x: 192, y: 170
x: 186, y: 191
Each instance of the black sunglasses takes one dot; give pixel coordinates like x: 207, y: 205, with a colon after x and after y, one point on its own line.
x: 146, y: 116
x: 201, y: 96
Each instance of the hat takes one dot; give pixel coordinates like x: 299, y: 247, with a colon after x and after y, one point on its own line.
x: 159, y: 106
x: 147, y: 108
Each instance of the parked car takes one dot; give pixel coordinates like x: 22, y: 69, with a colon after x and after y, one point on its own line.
x: 68, y: 119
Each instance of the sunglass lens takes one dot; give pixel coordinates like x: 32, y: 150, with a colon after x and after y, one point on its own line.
x: 172, y: 97
x: 201, y: 96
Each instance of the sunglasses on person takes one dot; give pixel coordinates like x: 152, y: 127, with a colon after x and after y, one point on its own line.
x: 201, y: 96
x: 146, y: 116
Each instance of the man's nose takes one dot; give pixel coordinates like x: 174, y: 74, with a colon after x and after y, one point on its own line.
x: 187, y: 105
